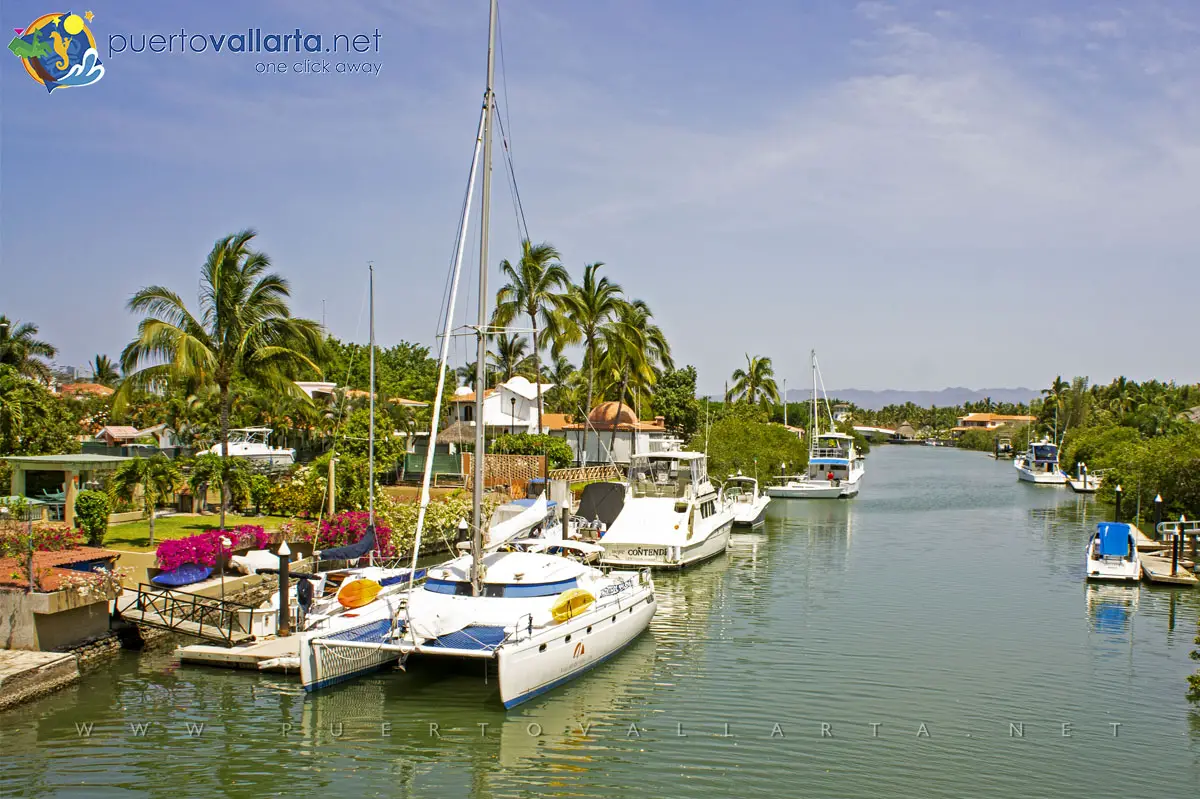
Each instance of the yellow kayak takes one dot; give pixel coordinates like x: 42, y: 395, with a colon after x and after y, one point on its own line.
x: 357, y: 593
x: 571, y: 603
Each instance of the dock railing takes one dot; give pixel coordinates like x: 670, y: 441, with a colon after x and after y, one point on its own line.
x: 201, y: 616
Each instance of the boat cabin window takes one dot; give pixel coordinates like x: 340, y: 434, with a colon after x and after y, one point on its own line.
x: 661, y: 477
x: 506, y: 590
x: 1045, y: 452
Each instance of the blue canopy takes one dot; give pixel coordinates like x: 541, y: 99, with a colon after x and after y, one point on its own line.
x: 1115, y: 539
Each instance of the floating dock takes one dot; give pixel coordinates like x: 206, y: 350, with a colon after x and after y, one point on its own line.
x: 1157, y: 569
x: 28, y: 675
x: 273, y: 654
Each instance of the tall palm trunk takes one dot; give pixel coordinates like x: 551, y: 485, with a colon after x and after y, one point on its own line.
x: 612, y: 441
x: 537, y: 367
x: 591, y: 359
x: 226, y: 401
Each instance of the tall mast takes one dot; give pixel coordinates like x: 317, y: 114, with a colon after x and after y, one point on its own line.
x: 813, y: 428
x: 371, y: 434
x: 481, y: 349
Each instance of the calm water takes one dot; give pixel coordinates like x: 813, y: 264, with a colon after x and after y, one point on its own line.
x: 946, y: 595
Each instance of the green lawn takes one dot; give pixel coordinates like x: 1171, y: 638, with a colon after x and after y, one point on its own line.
x: 136, y: 535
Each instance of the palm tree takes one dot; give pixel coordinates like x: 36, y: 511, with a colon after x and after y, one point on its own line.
x: 104, y: 371
x: 511, y: 357
x: 757, y: 378
x: 587, y: 307
x: 634, y: 349
x: 534, y: 288
x: 466, y: 374
x: 157, y: 476
x: 245, y: 328
x: 20, y: 350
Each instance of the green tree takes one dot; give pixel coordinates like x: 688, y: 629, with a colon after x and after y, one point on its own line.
x: 91, y: 512
x: 510, y: 357
x: 756, y: 381
x: 32, y: 420
x: 557, y: 450
x: 104, y: 371
x: 245, y: 328
x: 634, y: 347
x: 535, y: 288
x: 675, y: 400
x: 158, y: 477
x: 23, y: 351
x: 740, y: 439
x: 588, y: 306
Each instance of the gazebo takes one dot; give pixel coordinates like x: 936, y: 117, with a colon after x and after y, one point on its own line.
x: 73, y: 468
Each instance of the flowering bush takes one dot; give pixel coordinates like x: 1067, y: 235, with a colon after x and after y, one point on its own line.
x: 204, y: 549
x: 102, y: 583
x: 47, y: 537
x: 345, y: 528
x: 441, y: 519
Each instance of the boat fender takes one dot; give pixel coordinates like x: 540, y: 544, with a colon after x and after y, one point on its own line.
x: 571, y: 603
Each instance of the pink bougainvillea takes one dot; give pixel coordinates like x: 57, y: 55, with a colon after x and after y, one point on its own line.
x: 348, y: 527
x: 204, y: 549
x: 47, y: 537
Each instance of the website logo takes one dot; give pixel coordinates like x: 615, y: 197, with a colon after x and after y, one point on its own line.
x: 58, y: 51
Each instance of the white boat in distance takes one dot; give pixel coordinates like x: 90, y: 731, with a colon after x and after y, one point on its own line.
x: 1039, y: 465
x: 1112, y: 553
x: 672, y: 515
x: 543, y: 619
x: 253, y: 444
x: 835, y: 468
x: 748, y: 502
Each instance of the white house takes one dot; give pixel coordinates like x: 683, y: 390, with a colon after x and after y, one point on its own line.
x: 509, y: 407
x: 591, y: 441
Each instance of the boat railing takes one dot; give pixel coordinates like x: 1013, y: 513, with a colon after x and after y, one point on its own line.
x: 830, y: 452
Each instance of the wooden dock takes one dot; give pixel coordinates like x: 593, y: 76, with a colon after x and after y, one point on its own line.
x: 1157, y: 569
x: 273, y: 654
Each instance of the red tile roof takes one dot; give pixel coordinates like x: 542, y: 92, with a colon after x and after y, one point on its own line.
x: 48, y: 566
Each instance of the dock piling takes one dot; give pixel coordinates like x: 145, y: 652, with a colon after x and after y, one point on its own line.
x: 283, y: 628
x: 1118, y: 509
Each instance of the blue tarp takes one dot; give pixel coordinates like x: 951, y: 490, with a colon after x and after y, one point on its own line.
x: 1115, y: 539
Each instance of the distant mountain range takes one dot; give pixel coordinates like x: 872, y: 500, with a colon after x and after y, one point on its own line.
x: 946, y: 397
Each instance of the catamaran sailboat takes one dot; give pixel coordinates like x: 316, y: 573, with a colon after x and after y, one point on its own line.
x: 672, y: 515
x: 748, y: 502
x: 1112, y: 553
x: 1039, y: 465
x: 835, y: 467
x: 540, y: 618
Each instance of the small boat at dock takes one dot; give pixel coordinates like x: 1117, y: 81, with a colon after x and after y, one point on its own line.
x: 1112, y: 553
x: 1039, y: 465
x: 748, y: 502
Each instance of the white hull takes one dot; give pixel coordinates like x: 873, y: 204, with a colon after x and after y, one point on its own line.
x: 322, y: 666
x: 817, y: 489
x: 1126, y: 567
x: 571, y: 648
x: 664, y: 556
x: 1041, y: 478
x: 750, y: 514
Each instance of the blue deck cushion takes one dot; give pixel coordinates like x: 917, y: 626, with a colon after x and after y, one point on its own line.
x: 476, y: 636
x: 1115, y: 539
x: 186, y: 574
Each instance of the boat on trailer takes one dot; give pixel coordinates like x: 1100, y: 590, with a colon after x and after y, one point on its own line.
x: 1112, y: 553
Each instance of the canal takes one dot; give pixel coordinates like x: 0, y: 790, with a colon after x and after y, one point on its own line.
x: 933, y: 637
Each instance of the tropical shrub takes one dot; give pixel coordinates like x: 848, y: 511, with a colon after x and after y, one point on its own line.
x: 91, y: 513
x: 557, y: 450
x: 441, y: 519
x: 47, y: 537
x: 204, y: 549
x: 302, y: 494
x: 979, y: 440
x: 347, y: 527
x: 738, y: 440
x: 260, y: 491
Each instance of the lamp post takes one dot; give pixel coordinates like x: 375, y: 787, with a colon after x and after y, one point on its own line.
x: 284, y: 625
x: 512, y: 414
x: 223, y: 543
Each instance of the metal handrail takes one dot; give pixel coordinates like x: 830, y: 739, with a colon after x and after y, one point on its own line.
x: 176, y: 607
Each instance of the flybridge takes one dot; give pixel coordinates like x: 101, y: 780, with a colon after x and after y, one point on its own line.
x: 254, y: 40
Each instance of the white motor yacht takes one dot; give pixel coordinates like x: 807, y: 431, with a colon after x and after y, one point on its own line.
x: 672, y: 515
x: 1039, y: 465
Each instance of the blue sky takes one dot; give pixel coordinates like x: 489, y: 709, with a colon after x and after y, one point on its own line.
x: 977, y: 194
